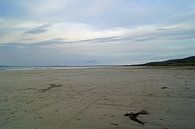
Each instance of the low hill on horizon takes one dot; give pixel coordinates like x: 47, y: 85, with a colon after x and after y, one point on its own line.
x: 188, y: 61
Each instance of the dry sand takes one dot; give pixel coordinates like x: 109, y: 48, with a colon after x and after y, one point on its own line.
x: 97, y: 98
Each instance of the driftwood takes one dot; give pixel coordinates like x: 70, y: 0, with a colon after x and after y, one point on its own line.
x: 133, y: 116
x: 51, y: 86
x: 163, y: 87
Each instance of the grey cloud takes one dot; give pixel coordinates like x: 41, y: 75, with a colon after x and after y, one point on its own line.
x: 39, y: 29
x: 59, y: 41
x: 162, y: 34
x: 155, y: 35
x: 175, y: 34
x: 34, y: 44
x: 167, y: 29
x: 49, y: 42
x: 144, y: 39
x: 158, y: 34
x: 99, y: 40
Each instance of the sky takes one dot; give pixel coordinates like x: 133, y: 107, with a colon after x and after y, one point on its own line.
x: 95, y: 32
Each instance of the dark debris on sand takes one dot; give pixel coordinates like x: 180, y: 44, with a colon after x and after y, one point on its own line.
x: 133, y: 116
x: 51, y: 86
x: 164, y: 87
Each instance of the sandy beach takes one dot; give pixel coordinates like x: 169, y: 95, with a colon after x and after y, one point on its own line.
x: 98, y: 98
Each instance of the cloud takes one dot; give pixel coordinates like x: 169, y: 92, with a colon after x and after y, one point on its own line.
x: 90, y: 32
x: 137, y: 34
x: 38, y: 30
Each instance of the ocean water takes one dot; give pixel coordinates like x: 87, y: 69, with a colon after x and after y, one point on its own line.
x: 2, y: 68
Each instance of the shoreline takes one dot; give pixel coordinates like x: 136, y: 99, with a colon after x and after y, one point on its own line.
x: 21, y: 68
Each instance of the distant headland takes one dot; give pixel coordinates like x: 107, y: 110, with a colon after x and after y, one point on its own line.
x: 188, y: 61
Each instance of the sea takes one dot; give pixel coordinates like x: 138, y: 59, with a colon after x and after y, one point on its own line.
x: 8, y: 68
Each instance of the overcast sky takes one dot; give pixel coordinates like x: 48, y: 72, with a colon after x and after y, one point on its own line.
x: 95, y: 32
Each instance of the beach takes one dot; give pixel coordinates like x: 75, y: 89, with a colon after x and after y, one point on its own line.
x: 98, y: 98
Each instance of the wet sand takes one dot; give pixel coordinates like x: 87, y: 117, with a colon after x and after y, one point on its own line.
x: 98, y: 98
